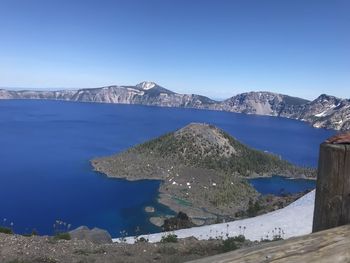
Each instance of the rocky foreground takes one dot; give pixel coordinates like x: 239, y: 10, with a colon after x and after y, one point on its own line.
x: 202, y: 168
x: 95, y: 245
x: 36, y: 249
x: 323, y: 112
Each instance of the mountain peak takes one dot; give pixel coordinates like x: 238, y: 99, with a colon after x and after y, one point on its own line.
x: 204, y: 138
x: 146, y: 85
x: 199, y: 129
x: 325, y: 96
x: 196, y: 125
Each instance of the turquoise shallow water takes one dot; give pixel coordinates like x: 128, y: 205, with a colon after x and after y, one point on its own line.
x: 46, y: 147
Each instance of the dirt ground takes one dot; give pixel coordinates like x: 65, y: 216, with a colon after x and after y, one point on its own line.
x: 36, y: 249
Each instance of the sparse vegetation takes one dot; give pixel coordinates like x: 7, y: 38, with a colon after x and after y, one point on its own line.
x: 142, y: 240
x: 229, y: 244
x: 275, y: 235
x: 170, y: 249
x: 123, y: 235
x: 170, y: 238
x: 62, y: 236
x: 192, y: 148
x: 239, y: 238
x: 216, y: 150
x: 61, y: 229
x: 230, y: 191
x: 6, y: 230
x: 232, y: 243
x: 6, y: 227
x: 33, y: 233
x: 253, y: 208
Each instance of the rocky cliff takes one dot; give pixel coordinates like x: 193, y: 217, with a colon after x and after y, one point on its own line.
x: 262, y: 103
x: 324, y: 112
x: 145, y: 93
x: 327, y: 112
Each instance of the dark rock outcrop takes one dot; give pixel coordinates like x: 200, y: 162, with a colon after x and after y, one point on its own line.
x: 180, y: 221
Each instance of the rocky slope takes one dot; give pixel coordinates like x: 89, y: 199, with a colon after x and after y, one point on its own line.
x: 31, y: 94
x: 324, y: 112
x: 145, y: 93
x: 327, y: 112
x: 44, y: 249
x: 201, y: 166
x: 262, y: 103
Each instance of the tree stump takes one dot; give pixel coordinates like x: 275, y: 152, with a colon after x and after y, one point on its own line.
x: 332, y: 203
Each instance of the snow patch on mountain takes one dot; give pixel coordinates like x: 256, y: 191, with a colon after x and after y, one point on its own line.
x: 146, y: 85
x: 323, y: 113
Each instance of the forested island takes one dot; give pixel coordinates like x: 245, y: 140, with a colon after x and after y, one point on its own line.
x: 203, y: 170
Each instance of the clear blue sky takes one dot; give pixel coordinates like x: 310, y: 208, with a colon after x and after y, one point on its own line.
x: 217, y: 48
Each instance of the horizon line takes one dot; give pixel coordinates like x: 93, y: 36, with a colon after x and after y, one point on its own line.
x: 116, y: 85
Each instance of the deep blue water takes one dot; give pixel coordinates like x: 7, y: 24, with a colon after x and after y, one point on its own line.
x: 278, y: 185
x: 45, y: 148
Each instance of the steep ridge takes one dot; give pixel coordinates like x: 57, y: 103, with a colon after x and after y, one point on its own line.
x: 324, y: 112
x: 327, y: 112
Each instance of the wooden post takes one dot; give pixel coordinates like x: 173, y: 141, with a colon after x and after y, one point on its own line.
x: 332, y: 203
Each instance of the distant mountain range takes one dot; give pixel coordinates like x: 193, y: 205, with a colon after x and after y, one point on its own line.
x: 324, y: 112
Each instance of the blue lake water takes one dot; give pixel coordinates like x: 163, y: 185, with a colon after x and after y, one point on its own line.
x: 46, y: 146
x: 278, y: 185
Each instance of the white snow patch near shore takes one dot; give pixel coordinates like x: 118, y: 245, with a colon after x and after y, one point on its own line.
x: 294, y: 220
